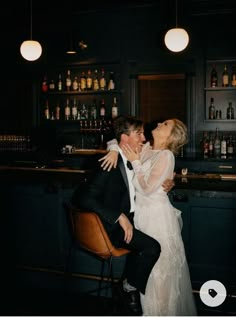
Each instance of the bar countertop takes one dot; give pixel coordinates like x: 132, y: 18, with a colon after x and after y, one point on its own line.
x: 191, y: 181
x: 44, y: 169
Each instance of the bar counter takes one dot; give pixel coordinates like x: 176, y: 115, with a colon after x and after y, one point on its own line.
x: 32, y: 194
x: 201, y: 181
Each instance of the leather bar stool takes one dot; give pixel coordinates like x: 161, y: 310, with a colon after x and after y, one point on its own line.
x: 89, y: 234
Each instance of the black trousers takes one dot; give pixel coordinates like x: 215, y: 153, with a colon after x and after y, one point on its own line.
x: 145, y: 252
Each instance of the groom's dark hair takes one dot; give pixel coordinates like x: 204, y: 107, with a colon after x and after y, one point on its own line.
x: 124, y: 125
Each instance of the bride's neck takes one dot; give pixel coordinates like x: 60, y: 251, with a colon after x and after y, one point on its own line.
x: 159, y: 145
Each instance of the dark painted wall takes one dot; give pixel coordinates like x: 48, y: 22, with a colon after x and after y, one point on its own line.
x: 131, y: 34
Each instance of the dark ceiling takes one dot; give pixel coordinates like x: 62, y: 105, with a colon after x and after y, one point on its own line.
x: 48, y: 14
x: 51, y: 17
x: 73, y: 8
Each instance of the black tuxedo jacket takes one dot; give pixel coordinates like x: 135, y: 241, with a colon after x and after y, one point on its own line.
x: 106, y: 193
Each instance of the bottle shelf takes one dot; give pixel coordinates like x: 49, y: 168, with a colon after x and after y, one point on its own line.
x: 220, y: 88
x: 90, y: 92
x: 221, y: 95
x: 220, y: 120
x: 77, y: 111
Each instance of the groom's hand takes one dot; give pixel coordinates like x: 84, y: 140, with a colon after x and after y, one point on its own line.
x: 168, y: 184
x: 127, y: 227
x: 109, y: 160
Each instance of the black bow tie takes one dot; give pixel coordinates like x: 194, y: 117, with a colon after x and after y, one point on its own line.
x: 129, y: 165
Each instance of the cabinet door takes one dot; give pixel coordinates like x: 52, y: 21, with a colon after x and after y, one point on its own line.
x: 39, y: 235
x: 211, y: 237
x: 161, y: 96
x: 212, y: 244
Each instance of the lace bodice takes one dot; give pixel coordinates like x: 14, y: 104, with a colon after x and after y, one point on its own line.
x: 153, y: 168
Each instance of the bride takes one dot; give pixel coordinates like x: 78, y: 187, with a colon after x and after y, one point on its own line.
x: 168, y: 291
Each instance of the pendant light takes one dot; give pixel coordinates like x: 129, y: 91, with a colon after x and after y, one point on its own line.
x: 176, y: 39
x: 31, y: 50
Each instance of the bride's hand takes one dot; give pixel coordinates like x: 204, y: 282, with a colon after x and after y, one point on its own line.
x: 109, y: 160
x: 130, y: 154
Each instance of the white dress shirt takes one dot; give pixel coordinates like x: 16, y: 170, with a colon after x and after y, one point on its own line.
x: 130, y: 175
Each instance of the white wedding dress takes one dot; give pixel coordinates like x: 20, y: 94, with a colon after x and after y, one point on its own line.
x: 169, y: 290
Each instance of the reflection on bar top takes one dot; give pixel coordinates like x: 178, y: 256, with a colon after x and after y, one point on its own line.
x: 88, y: 151
x: 208, y: 176
x: 43, y: 168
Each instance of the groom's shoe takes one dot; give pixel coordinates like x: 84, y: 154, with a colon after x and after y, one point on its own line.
x: 131, y: 301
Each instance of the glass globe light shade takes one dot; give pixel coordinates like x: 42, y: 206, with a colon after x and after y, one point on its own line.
x: 176, y: 39
x: 31, y: 50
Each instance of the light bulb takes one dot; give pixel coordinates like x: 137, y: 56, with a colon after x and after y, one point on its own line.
x: 176, y: 39
x: 31, y: 50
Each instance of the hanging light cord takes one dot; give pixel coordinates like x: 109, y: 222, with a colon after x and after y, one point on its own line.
x: 31, y: 19
x: 176, y: 13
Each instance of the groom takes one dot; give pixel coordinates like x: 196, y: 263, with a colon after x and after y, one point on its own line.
x: 112, y: 196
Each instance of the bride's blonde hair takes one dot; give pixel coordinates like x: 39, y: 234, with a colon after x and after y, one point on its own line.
x: 178, y: 137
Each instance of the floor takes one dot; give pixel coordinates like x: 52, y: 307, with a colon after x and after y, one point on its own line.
x: 50, y: 303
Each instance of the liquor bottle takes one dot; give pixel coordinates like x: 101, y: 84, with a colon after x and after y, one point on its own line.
x: 83, y: 82
x: 102, y: 81
x: 223, y: 147
x: 78, y: 110
x: 74, y: 110
x: 75, y: 84
x: 212, y: 109
x: 217, y: 144
x: 214, y: 77
x: 95, y: 80
x: 57, y: 113
x: 225, y: 77
x: 89, y: 81
x: 114, y: 109
x: 67, y: 110
x: 211, y: 146
x: 220, y: 114
x: 233, y: 76
x: 230, y: 147
x: 230, y: 112
x: 84, y: 112
x: 52, y: 116
x: 93, y: 112
x: 44, y: 84
x: 52, y: 85
x: 102, y: 112
x: 46, y: 111
x: 59, y: 83
x: 205, y: 144
x: 68, y: 81
x: 111, y: 83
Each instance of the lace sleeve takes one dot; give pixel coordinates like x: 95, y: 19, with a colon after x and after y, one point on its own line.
x: 112, y: 145
x: 150, y: 175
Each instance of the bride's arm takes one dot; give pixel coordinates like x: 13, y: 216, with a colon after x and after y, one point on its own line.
x: 160, y: 170
x: 110, y: 159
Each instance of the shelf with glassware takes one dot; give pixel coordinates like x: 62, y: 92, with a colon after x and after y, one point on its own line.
x: 220, y: 91
x: 83, y: 122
